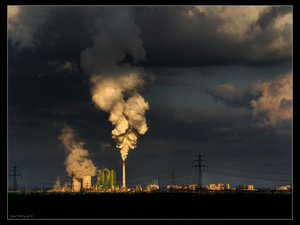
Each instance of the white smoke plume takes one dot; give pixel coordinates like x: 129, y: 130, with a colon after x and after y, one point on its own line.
x: 116, y: 84
x: 77, y: 161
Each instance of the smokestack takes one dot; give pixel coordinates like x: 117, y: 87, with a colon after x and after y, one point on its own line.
x: 124, y: 182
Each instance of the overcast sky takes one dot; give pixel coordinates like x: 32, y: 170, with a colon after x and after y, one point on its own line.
x: 218, y: 81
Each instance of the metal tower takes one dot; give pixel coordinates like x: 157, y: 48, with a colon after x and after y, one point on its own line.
x: 201, y: 164
x: 173, y: 177
x: 14, y: 173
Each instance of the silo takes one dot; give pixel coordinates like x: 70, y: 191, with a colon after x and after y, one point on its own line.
x: 76, y: 185
x: 87, y: 182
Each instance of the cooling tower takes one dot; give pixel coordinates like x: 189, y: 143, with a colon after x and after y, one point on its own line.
x: 87, y: 182
x: 124, y: 182
x: 76, y: 185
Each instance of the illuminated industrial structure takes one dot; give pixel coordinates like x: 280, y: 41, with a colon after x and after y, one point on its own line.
x: 106, y: 179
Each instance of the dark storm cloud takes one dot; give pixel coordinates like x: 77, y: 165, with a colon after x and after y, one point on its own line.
x: 172, y: 38
x: 268, y: 17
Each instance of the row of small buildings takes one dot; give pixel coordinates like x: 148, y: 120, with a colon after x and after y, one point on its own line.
x: 106, y: 181
x: 225, y: 187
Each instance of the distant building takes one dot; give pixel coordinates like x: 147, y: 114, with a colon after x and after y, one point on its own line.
x: 284, y: 188
x: 221, y: 187
x: 138, y: 188
x: 241, y: 187
x: 173, y: 187
x: 213, y: 187
x: 191, y: 187
x: 152, y: 187
x: 251, y: 187
x: 227, y: 187
x: 155, y: 181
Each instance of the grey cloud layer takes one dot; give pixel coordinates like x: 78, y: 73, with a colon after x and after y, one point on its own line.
x: 190, y: 37
x: 174, y: 36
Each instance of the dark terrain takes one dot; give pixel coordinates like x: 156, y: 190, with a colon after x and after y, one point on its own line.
x: 151, y: 205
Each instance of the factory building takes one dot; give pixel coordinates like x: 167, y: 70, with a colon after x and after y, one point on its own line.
x: 106, y: 179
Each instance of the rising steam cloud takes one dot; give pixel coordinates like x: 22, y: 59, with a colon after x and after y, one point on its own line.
x: 76, y: 162
x: 115, y: 83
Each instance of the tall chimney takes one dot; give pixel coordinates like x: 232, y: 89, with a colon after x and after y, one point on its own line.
x: 124, y: 182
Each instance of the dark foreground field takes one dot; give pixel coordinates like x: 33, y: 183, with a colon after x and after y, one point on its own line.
x: 154, y: 205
